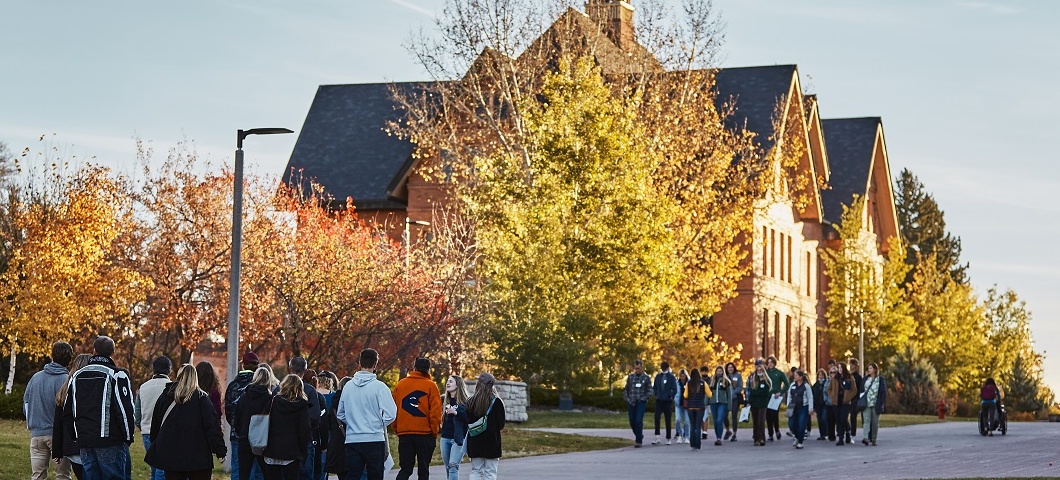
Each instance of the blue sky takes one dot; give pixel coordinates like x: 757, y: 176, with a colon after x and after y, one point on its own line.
x: 967, y: 92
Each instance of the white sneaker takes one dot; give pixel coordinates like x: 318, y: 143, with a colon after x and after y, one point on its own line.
x: 657, y: 441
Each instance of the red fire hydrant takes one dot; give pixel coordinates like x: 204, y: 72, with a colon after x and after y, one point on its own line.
x: 942, y: 409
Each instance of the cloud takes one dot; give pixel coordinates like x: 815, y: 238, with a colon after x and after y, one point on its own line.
x: 412, y: 6
x: 995, y: 8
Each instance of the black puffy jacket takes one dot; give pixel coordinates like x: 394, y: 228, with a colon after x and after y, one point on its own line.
x: 184, y: 440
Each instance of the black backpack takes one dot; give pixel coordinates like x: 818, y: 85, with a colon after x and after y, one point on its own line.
x: 232, y: 394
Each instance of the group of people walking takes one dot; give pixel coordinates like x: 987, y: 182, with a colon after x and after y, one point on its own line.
x: 82, y: 413
x: 694, y: 397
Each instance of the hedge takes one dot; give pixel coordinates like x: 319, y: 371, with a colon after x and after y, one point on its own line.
x: 11, y: 404
x: 591, y: 397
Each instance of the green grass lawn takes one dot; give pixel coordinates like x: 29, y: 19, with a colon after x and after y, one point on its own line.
x: 517, y: 441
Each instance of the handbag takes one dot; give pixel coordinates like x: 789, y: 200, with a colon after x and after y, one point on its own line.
x: 745, y: 414
x: 258, y: 433
x: 478, y: 426
x: 863, y: 403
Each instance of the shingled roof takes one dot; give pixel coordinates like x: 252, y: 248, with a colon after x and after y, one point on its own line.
x: 850, y: 143
x: 755, y: 92
x: 343, y: 145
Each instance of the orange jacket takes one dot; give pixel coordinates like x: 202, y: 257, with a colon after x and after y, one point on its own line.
x: 419, y: 405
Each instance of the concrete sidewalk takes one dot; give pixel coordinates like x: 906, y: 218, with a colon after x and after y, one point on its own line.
x: 938, y: 450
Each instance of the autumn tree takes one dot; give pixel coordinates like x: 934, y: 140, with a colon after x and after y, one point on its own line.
x: 1008, y: 340
x: 923, y: 227
x: 1025, y: 390
x: 865, y: 288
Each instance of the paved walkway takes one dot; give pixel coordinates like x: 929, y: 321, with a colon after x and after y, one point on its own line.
x: 939, y: 450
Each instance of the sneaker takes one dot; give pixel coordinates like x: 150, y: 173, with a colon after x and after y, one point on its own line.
x: 850, y: 440
x: 865, y: 441
x: 839, y: 443
x: 798, y: 446
x: 794, y: 442
x: 656, y: 441
x: 637, y: 445
x: 728, y: 434
x: 717, y: 443
x: 873, y: 443
x: 703, y: 436
x: 790, y: 434
x: 668, y: 441
x: 770, y: 438
x: 778, y: 435
x: 821, y: 438
x: 733, y: 439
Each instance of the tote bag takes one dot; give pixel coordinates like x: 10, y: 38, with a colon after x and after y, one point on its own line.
x: 258, y: 433
x: 745, y: 414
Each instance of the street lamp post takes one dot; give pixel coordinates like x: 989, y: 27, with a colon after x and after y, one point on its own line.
x: 406, y: 239
x: 861, y: 342
x: 232, y: 363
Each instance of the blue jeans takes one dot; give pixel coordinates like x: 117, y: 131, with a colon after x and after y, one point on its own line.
x: 636, y: 419
x: 307, y: 464
x: 797, y: 421
x: 107, y: 463
x: 682, y: 420
x: 451, y: 456
x: 156, y: 474
x: 720, y: 412
x: 694, y: 437
x: 365, y: 460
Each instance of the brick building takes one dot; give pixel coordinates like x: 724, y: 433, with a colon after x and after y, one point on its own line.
x: 779, y: 308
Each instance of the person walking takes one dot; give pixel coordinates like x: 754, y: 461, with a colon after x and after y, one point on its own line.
x: 454, y: 425
x: 326, y: 384
x: 100, y: 399
x: 759, y: 390
x: 843, y: 393
x: 636, y: 393
x: 780, y: 388
x: 38, y: 405
x: 209, y: 383
x: 720, y: 399
x: 146, y: 398
x: 484, y: 449
x: 254, y: 399
x: 298, y: 366
x: 820, y: 409
x: 800, y: 397
x: 664, y: 388
x: 859, y: 382
x: 335, y: 459
x: 233, y: 392
x: 366, y: 407
x: 736, y: 380
x: 696, y: 404
x: 184, y: 430
x: 419, y: 418
x: 64, y: 442
x: 681, y: 423
x: 875, y: 396
x: 290, y: 434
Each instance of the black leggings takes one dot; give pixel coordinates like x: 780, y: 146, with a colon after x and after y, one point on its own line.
x: 734, y: 414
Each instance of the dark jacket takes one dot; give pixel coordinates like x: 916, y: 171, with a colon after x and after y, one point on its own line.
x: 665, y: 387
x: 455, y: 426
x: 255, y: 400
x: 759, y: 390
x: 183, y: 441
x: 781, y: 383
x: 233, y: 392
x: 289, y: 430
x: 818, y: 395
x: 101, y: 395
x: 63, y: 441
x: 696, y: 395
x: 860, y: 382
x: 487, y: 444
x: 315, y: 399
x: 335, y: 462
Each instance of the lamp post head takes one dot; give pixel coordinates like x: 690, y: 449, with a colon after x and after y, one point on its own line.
x: 259, y: 131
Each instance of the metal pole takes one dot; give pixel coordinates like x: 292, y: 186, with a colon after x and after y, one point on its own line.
x: 405, y: 239
x: 861, y: 342
x: 233, y: 281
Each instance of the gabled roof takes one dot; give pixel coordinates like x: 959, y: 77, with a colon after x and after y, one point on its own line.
x: 851, y: 144
x: 574, y: 32
x: 755, y: 92
x: 344, y: 147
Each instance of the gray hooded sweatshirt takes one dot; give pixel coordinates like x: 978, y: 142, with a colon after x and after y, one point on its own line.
x: 39, y: 401
x: 366, y: 407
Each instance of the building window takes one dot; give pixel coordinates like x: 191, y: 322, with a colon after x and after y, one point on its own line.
x: 765, y: 251
x: 788, y: 353
x: 789, y: 260
x: 772, y: 253
x: 776, y: 334
x: 808, y: 270
x: 807, y: 363
x: 765, y: 333
x: 780, y: 237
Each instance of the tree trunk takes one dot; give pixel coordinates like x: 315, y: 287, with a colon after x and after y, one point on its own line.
x: 11, y: 370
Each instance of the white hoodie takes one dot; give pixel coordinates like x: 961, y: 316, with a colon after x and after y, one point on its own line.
x: 366, y: 408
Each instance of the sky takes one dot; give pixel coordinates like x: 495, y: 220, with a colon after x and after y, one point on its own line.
x: 967, y: 92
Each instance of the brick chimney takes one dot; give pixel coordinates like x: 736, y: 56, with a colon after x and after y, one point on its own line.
x: 615, y: 17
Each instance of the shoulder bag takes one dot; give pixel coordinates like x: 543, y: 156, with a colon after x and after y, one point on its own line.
x: 475, y: 428
x: 258, y: 433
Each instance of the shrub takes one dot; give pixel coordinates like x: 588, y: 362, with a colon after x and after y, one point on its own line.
x: 913, y: 383
x: 11, y: 404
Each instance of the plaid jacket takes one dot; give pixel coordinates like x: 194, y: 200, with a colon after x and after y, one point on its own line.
x: 638, y: 388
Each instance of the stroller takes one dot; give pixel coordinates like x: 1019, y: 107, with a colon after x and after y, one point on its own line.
x: 992, y: 419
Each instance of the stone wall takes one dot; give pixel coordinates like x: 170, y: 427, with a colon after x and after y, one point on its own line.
x: 514, y: 396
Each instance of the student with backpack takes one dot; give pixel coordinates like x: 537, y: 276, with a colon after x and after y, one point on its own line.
x: 253, y: 400
x: 232, y: 393
x: 184, y: 430
x: 290, y: 432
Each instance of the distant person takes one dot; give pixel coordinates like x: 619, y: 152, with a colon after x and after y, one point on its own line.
x: 636, y: 394
x: 254, y: 399
x: 681, y: 422
x: 720, y: 399
x: 145, y: 403
x: 696, y: 404
x: 876, y: 396
x: 800, y: 398
x: 780, y: 388
x: 736, y: 380
x: 232, y: 393
x: 326, y: 384
x: 64, y: 442
x: 335, y: 460
x: 844, y: 393
x: 298, y: 366
x: 859, y: 384
x: 759, y: 391
x: 820, y: 408
x: 209, y: 383
x: 664, y: 388
x: 419, y: 418
x: 454, y: 425
x: 484, y: 449
x: 38, y: 404
x: 290, y: 434
x: 366, y: 407
x: 100, y: 400
x: 990, y: 400
x: 185, y: 432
